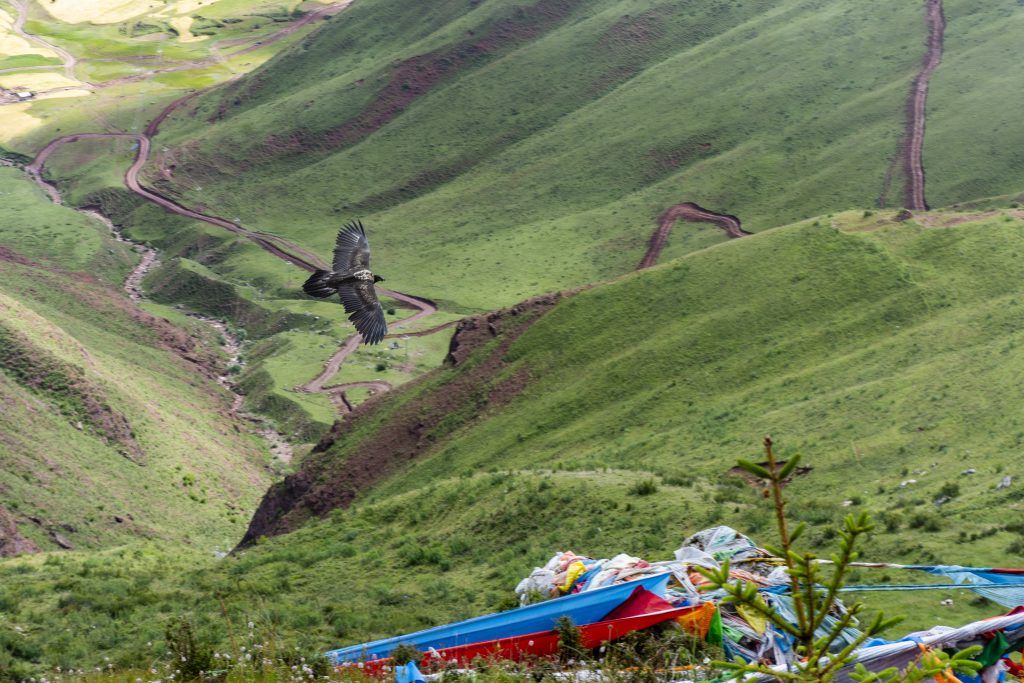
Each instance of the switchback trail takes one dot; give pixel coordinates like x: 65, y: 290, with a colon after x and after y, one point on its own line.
x: 278, y: 246
x: 914, y: 137
x: 688, y: 211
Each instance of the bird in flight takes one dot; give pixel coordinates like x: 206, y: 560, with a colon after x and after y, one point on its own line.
x: 353, y: 281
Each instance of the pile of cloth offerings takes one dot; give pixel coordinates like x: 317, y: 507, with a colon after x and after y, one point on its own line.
x: 740, y: 631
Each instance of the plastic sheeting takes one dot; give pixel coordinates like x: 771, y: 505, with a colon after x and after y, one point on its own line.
x: 582, y: 609
x: 1002, y: 586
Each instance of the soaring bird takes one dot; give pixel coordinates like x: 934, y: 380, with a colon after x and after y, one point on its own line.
x: 353, y: 282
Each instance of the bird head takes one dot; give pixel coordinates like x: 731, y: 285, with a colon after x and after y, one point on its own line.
x: 378, y: 278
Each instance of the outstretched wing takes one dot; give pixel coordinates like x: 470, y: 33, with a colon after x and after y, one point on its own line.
x: 360, y: 301
x: 351, y: 249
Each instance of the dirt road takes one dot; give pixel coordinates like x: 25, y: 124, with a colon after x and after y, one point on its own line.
x: 914, y: 137
x: 687, y: 211
x: 19, y: 27
x: 278, y: 246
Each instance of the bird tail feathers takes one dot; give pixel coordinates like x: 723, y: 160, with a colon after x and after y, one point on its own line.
x: 317, y: 285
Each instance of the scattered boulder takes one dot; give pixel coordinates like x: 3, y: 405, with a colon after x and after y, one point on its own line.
x: 61, y: 541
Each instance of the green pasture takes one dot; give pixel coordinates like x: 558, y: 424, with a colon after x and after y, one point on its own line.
x: 883, y: 355
x: 36, y: 228
x: 20, y: 61
x: 414, y: 356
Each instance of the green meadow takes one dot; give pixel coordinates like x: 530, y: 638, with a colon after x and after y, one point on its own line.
x: 388, y: 565
x: 567, y: 144
x: 543, y: 142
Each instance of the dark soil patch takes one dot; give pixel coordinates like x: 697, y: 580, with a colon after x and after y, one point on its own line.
x: 667, y: 160
x: 631, y: 31
x: 414, y: 77
x: 67, y: 390
x: 11, y: 542
x: 411, y: 431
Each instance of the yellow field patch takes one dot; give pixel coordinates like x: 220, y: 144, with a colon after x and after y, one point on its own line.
x: 182, y: 25
x: 13, y: 44
x: 98, y: 11
x: 15, y: 121
x: 36, y: 81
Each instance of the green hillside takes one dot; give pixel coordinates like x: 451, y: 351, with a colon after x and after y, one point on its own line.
x: 539, y: 142
x: 882, y: 351
x: 878, y: 350
x: 516, y: 154
x: 112, y: 426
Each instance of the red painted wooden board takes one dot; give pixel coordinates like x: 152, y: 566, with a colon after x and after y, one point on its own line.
x: 542, y: 644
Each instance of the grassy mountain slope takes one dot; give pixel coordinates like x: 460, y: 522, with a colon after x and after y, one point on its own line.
x: 540, y: 142
x: 879, y: 352
x: 872, y: 348
x: 113, y: 427
x: 971, y: 149
x: 395, y: 565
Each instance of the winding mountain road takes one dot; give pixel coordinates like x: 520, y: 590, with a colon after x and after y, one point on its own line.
x: 289, y: 251
x: 68, y: 59
x: 278, y: 246
x: 274, y: 244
